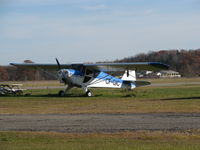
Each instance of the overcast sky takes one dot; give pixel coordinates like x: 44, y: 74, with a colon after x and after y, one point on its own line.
x: 94, y: 30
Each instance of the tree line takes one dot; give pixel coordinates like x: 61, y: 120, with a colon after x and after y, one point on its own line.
x: 186, y: 62
x: 12, y: 73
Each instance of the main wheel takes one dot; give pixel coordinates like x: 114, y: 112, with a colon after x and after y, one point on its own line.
x: 18, y: 92
x: 61, y: 93
x: 88, y: 93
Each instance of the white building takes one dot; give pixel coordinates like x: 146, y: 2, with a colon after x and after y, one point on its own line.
x: 168, y: 74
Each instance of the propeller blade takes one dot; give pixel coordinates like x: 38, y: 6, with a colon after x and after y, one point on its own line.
x: 59, y: 67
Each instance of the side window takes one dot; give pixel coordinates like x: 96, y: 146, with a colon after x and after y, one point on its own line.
x: 86, y: 79
x: 88, y: 75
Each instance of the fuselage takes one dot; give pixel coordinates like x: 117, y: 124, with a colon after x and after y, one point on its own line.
x: 92, y: 79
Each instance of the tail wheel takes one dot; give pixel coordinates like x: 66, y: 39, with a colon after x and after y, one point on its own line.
x: 61, y: 93
x: 88, y: 93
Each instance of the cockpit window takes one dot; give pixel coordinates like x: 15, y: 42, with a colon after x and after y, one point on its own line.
x: 65, y: 72
x: 86, y: 79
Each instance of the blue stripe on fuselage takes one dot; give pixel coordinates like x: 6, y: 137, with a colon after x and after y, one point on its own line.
x: 98, y: 75
x: 106, y: 77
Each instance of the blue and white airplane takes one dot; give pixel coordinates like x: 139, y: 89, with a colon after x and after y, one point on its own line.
x: 88, y: 76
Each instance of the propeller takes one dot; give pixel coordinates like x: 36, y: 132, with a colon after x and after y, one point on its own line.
x: 62, y: 75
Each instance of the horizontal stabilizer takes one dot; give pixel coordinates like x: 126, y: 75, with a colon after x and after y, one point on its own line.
x: 141, y: 83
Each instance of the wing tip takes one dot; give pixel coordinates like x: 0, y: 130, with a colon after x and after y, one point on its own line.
x: 12, y: 64
x: 160, y: 65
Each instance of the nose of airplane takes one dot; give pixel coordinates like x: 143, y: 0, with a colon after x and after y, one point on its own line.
x: 66, y: 73
x: 63, y: 75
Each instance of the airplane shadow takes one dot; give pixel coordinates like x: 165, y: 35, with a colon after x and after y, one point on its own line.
x: 181, y: 98
x: 98, y: 95
x: 50, y: 95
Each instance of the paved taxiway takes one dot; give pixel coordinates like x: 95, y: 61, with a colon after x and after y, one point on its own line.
x: 83, y: 123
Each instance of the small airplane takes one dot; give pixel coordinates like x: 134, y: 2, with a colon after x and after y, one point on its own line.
x: 88, y: 76
x: 11, y: 89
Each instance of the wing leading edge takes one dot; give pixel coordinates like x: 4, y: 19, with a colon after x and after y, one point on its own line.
x: 106, y: 67
x: 128, y: 66
x: 40, y: 66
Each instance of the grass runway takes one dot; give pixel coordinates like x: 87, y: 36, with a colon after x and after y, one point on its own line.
x: 142, y: 100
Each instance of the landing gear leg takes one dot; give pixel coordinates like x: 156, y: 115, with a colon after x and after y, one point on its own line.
x: 62, y: 93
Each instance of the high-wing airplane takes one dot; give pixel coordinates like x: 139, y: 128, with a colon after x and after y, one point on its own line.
x: 88, y: 76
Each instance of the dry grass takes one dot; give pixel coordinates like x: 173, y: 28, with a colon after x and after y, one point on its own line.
x: 139, y: 140
x: 36, y: 105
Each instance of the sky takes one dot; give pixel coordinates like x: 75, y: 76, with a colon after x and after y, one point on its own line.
x: 77, y: 31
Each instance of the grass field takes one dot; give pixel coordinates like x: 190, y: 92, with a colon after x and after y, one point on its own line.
x: 139, y: 140
x: 157, y: 99
x: 142, y: 100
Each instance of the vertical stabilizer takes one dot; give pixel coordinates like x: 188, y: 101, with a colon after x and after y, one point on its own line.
x: 129, y: 75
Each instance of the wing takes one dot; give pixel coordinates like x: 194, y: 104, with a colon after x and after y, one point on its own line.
x: 128, y: 66
x: 40, y: 66
x: 106, y: 67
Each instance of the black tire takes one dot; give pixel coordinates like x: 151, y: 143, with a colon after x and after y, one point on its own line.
x: 61, y: 93
x: 88, y: 94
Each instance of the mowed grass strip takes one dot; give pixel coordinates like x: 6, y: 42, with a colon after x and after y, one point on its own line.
x: 35, y: 83
x: 142, y: 100
x: 173, y: 80
x: 138, y: 140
